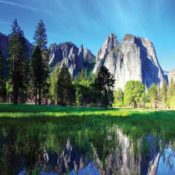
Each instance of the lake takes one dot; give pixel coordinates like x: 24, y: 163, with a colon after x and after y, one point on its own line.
x: 87, y: 145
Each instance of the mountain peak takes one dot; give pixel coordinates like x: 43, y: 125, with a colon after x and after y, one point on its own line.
x: 110, y: 43
x: 134, y: 59
x: 76, y: 59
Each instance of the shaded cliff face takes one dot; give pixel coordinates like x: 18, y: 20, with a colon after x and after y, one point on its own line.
x: 75, y: 58
x: 4, y: 44
x: 133, y: 59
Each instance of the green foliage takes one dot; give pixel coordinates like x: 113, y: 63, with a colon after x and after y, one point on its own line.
x: 104, y: 83
x: 153, y: 95
x: 19, y: 64
x: 163, y: 93
x: 118, y: 98
x: 53, y: 85
x: 83, y: 86
x: 133, y: 93
x: 65, y: 90
x: 171, y: 95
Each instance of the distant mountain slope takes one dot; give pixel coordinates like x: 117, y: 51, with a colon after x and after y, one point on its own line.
x: 4, y: 44
x: 75, y: 58
x: 133, y: 59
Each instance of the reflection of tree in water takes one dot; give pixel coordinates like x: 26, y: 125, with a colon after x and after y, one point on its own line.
x: 24, y: 146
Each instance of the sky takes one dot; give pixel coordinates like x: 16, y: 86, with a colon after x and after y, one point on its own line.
x: 89, y: 22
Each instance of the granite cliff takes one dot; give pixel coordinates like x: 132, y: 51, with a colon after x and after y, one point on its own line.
x: 133, y: 59
x: 75, y: 58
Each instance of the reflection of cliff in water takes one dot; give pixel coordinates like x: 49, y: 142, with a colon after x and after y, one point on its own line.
x: 44, y: 150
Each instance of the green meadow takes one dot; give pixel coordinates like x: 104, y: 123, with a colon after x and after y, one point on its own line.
x: 134, y: 122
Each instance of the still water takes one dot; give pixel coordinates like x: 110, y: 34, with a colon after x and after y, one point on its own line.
x: 72, y: 146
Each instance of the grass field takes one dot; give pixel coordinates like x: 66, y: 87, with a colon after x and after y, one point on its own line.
x: 134, y: 122
x: 23, y: 110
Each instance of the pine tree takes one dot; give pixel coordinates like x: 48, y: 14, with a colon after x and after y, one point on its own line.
x: 65, y: 90
x: 40, y: 36
x: 19, y: 61
x: 2, y: 80
x: 37, y: 73
x: 103, y: 85
x: 41, y: 58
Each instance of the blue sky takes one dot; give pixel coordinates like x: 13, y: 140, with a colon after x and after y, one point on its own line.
x: 89, y: 22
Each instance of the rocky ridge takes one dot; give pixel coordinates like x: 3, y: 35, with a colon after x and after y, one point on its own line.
x: 133, y: 59
x: 76, y: 59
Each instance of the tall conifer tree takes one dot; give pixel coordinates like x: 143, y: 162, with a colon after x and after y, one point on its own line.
x: 19, y: 63
x: 40, y: 58
x: 2, y: 80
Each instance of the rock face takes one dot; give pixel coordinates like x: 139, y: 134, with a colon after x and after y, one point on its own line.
x: 4, y: 43
x: 133, y: 59
x: 75, y: 58
x: 107, y: 47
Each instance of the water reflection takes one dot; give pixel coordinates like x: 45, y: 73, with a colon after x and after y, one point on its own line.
x: 166, y: 165
x: 42, y: 148
x: 70, y: 161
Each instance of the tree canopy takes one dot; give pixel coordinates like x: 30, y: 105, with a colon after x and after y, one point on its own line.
x: 133, y: 93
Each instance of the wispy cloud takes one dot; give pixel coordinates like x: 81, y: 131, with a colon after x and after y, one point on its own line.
x: 64, y: 16
x: 27, y: 7
x: 23, y: 6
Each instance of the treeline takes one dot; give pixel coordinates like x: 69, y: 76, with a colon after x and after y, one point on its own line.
x: 25, y: 77
x: 28, y: 79
x: 83, y: 90
x: 135, y: 94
